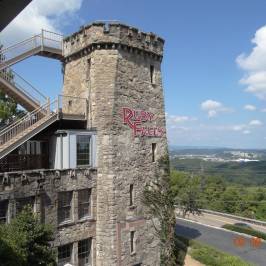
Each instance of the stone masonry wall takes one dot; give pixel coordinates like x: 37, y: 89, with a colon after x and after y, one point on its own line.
x: 112, y: 66
x: 42, y: 188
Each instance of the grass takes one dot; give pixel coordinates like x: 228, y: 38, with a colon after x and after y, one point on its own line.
x: 248, y: 231
x: 213, y: 257
x: 205, y: 254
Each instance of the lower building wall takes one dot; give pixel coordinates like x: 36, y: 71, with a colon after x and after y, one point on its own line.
x: 42, y: 190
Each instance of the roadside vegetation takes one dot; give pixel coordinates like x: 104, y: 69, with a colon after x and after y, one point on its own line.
x: 213, y: 257
x: 245, y: 230
x: 195, y: 191
x: 206, y: 255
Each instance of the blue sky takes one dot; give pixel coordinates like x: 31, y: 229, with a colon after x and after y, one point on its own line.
x: 214, y: 67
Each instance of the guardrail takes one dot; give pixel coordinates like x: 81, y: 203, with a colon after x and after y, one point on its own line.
x: 69, y: 105
x: 45, y: 39
x: 240, y: 218
x: 24, y: 86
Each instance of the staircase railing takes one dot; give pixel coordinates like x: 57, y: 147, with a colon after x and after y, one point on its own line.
x: 24, y: 86
x: 44, y: 112
x: 45, y: 39
x: 26, y: 122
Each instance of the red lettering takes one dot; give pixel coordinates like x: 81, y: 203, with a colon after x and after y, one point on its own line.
x: 127, y: 115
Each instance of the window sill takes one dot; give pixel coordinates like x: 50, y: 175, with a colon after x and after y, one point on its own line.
x: 69, y: 223
x: 86, y: 219
x: 65, y: 223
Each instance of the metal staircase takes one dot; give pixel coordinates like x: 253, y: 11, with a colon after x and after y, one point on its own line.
x: 21, y: 90
x: 48, y: 44
x: 42, y: 113
x: 34, y: 122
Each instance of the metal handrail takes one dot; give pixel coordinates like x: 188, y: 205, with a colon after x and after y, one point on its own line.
x: 16, y: 80
x: 45, y: 39
x: 43, y: 108
x: 26, y: 122
x: 40, y: 113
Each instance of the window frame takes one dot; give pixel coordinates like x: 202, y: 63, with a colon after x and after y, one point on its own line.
x: 63, y: 260
x: 89, y: 152
x: 132, y: 242
x: 84, y: 254
x: 82, y: 203
x: 61, y: 208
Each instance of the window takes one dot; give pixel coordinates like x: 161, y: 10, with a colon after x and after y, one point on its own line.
x: 132, y: 242
x: 153, y: 150
x: 64, y: 206
x: 84, y: 252
x: 152, y: 73
x: 3, y: 211
x: 131, y: 192
x: 64, y: 254
x: 84, y: 203
x: 83, y: 150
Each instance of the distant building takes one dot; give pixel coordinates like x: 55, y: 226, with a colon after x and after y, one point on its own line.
x: 83, y: 159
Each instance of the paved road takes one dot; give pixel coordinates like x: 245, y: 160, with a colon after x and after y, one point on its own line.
x: 222, y: 240
x: 219, y: 221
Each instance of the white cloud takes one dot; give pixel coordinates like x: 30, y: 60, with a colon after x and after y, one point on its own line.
x: 250, y: 107
x: 213, y: 107
x: 238, y: 127
x: 246, y: 132
x: 254, y: 65
x: 39, y: 14
x: 255, y: 123
x: 174, y: 121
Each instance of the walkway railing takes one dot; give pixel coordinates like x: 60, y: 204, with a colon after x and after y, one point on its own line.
x: 37, y: 42
x: 63, y: 104
x: 24, y: 86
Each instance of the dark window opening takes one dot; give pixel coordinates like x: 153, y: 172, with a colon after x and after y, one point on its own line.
x: 153, y: 149
x: 64, y: 206
x: 64, y: 254
x: 84, y: 203
x: 131, y: 196
x: 132, y: 241
x: 3, y: 211
x: 23, y: 203
x: 83, y: 150
x: 84, y: 252
x: 152, y: 73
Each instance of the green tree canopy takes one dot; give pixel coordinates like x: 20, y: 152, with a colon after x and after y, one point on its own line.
x: 26, y: 241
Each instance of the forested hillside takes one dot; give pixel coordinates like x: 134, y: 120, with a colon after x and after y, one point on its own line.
x: 245, y: 173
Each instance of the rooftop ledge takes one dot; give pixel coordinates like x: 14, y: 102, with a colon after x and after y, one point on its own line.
x: 50, y: 171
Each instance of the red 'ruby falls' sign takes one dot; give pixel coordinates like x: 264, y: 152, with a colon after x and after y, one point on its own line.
x: 135, y: 120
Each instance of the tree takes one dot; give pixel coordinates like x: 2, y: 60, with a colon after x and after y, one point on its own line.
x: 159, y: 199
x: 187, y: 191
x: 8, y: 107
x: 27, y: 240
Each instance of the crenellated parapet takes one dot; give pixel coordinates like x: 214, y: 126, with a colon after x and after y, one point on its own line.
x: 99, y: 35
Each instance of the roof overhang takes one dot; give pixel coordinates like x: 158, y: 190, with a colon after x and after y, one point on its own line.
x: 9, y: 9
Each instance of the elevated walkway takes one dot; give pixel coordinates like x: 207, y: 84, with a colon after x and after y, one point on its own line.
x: 47, y: 44
x: 21, y: 90
x: 42, y: 112
x: 64, y: 107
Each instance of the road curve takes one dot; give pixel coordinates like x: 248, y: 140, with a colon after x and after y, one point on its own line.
x: 222, y: 240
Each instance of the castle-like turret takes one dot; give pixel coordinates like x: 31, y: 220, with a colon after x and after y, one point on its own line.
x: 118, y: 69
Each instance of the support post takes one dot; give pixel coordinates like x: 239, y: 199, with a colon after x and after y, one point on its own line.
x: 42, y: 43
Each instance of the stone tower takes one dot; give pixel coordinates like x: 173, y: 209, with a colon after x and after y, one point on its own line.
x: 118, y: 69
